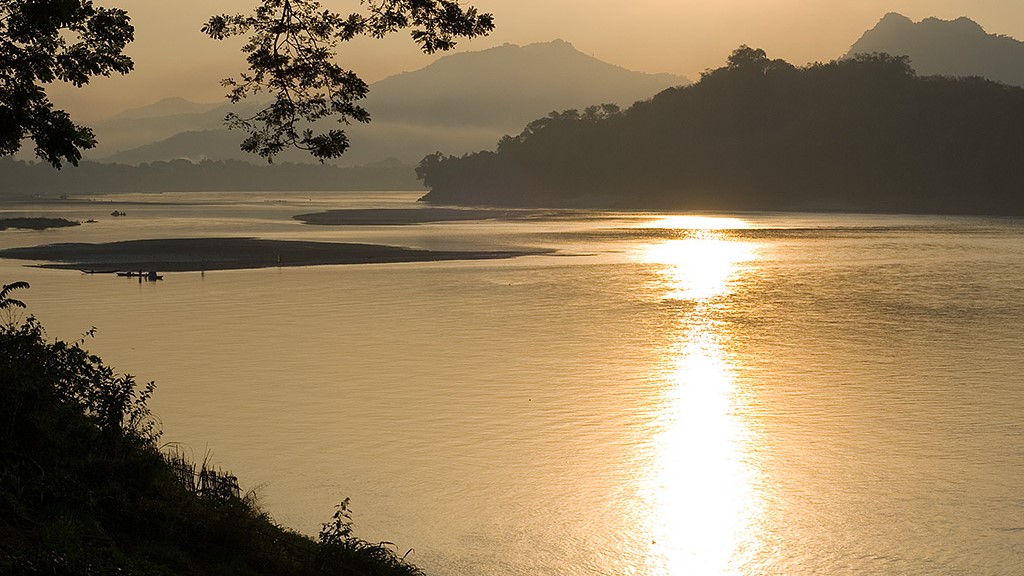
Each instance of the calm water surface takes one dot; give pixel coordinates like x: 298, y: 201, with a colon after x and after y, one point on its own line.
x: 666, y: 394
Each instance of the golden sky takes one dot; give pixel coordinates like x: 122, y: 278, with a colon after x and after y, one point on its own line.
x: 680, y: 36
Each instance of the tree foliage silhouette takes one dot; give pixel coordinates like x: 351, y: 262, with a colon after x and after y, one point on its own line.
x: 6, y: 301
x: 291, y: 48
x: 46, y: 41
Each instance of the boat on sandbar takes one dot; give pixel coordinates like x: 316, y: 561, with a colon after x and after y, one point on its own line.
x: 151, y: 275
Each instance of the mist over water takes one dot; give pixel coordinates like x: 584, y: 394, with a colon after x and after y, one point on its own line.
x: 734, y: 394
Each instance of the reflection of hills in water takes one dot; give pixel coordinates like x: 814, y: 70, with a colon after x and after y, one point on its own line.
x: 771, y: 233
x: 632, y: 227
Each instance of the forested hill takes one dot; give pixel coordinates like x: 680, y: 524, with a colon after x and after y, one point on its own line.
x: 862, y: 134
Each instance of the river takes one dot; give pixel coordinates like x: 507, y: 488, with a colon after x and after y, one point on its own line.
x: 663, y: 394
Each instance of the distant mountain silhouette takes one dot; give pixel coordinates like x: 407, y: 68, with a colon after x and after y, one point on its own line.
x: 860, y: 134
x: 192, y: 145
x: 958, y: 47
x: 167, y: 107
x: 149, y: 125
x: 507, y: 86
x: 461, y: 102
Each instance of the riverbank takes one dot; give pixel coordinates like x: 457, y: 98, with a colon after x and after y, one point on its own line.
x: 199, y: 254
x: 89, y: 487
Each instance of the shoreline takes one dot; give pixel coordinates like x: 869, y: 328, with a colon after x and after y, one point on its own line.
x: 201, y: 254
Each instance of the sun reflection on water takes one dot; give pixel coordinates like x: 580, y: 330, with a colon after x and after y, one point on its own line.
x: 699, y: 267
x: 699, y: 486
x: 693, y: 222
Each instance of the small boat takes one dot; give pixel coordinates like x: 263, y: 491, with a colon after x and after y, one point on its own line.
x: 151, y: 275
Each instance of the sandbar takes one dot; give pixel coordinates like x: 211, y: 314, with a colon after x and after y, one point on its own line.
x: 196, y: 254
x: 36, y: 223
x: 408, y: 216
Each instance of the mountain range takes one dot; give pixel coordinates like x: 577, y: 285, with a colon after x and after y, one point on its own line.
x: 958, y: 47
x: 467, y: 102
x: 464, y: 102
x: 459, y: 103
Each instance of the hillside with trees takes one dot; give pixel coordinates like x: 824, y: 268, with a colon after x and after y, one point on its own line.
x: 859, y: 134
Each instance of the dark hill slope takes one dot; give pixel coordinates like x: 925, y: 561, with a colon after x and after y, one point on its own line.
x: 862, y: 134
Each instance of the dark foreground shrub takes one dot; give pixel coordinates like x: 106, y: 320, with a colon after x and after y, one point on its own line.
x: 85, y: 489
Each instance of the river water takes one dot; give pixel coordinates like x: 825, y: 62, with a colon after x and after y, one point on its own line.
x: 664, y: 394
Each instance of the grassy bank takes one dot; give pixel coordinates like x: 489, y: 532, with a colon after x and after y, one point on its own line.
x: 86, y: 490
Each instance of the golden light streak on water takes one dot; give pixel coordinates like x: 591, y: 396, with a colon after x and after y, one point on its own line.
x: 699, y: 267
x: 692, y: 222
x: 700, y: 485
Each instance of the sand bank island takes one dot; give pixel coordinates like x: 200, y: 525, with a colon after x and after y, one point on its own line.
x: 35, y: 223
x: 195, y: 254
x: 408, y: 216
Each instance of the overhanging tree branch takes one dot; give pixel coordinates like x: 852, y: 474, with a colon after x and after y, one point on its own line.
x: 290, y: 51
x: 291, y: 48
x: 46, y: 41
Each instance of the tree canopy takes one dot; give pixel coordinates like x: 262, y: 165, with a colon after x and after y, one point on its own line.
x: 46, y: 41
x: 291, y: 51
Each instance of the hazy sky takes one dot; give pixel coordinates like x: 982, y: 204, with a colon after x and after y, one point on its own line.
x: 172, y: 58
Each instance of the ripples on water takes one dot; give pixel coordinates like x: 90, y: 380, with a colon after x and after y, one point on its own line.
x: 752, y: 394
